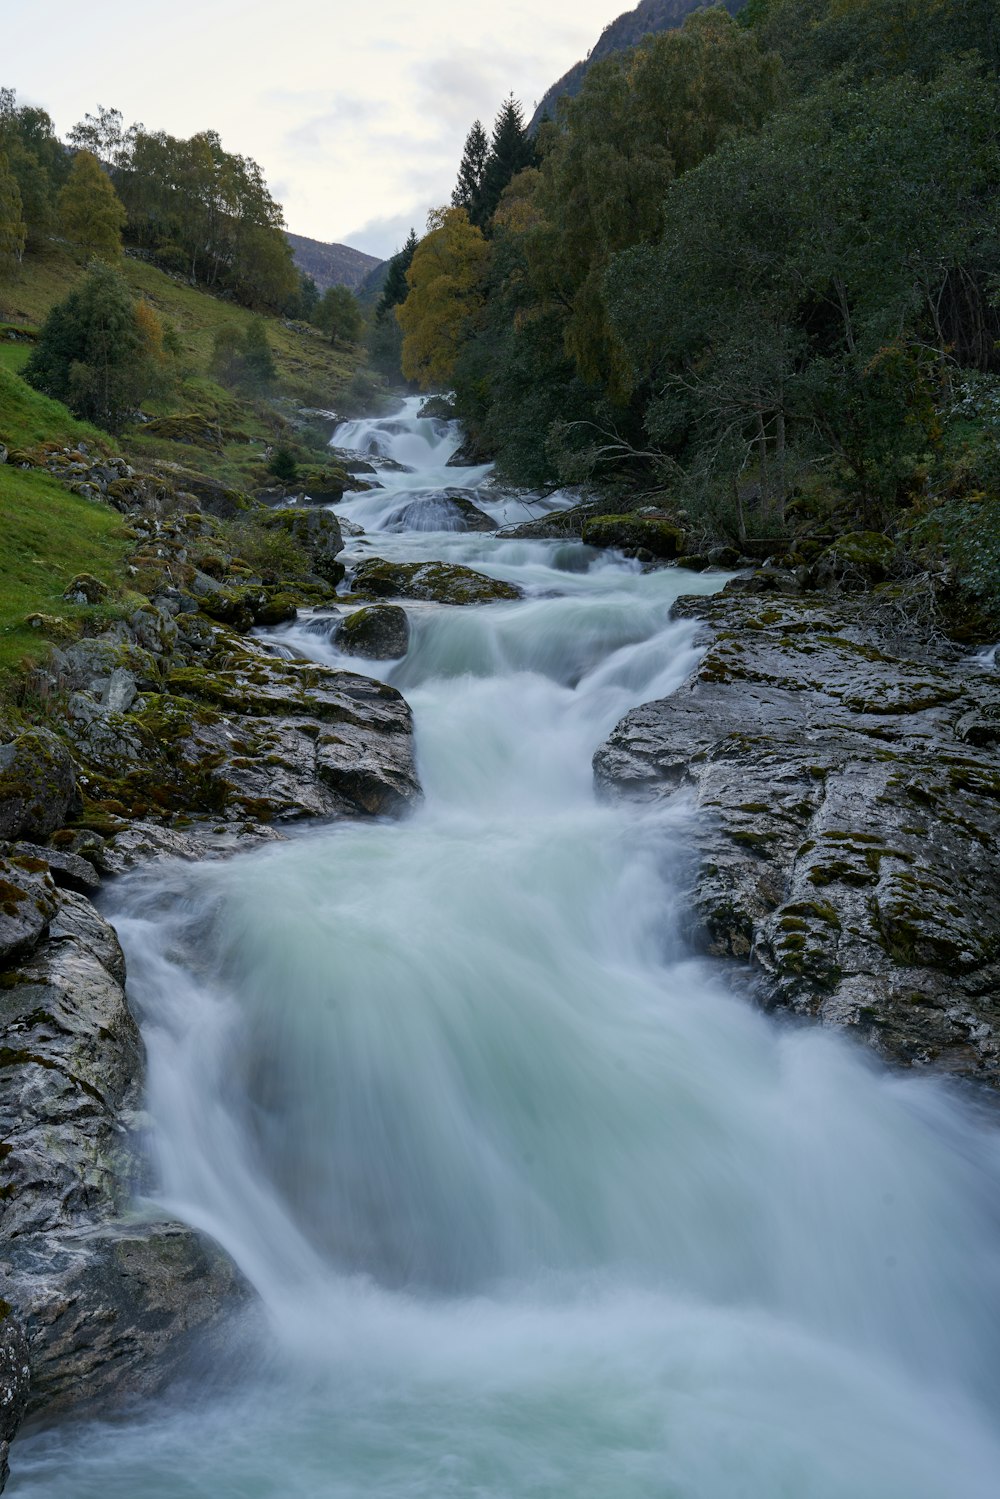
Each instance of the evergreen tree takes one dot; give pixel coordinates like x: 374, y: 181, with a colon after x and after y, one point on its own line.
x: 511, y: 150
x: 12, y: 228
x: 90, y: 211
x: 395, y: 289
x: 468, y: 192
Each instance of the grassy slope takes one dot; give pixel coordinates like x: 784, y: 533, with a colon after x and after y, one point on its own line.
x: 47, y: 535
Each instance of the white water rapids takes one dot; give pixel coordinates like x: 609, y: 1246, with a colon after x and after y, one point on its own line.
x: 536, y: 1207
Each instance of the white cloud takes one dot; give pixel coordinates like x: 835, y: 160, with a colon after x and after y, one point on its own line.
x: 357, y: 115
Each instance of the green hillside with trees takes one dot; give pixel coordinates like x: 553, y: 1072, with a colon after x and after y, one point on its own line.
x: 150, y: 315
x: 751, y: 276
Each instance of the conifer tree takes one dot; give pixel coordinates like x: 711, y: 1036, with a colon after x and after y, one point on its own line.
x: 469, y: 187
x: 395, y: 289
x: 511, y: 150
x: 12, y: 229
x: 90, y: 211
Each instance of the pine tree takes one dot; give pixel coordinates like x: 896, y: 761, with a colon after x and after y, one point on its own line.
x: 12, y: 229
x: 395, y: 289
x: 90, y: 210
x: 469, y: 187
x: 511, y: 150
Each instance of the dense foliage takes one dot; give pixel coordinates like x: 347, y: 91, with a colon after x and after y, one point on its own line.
x: 199, y: 209
x: 757, y: 259
x: 100, y: 352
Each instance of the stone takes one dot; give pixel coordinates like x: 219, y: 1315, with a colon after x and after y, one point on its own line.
x: 15, y: 1382
x: 846, y: 836
x: 38, y: 791
x: 655, y: 534
x: 436, y: 582
x: 86, y: 589
x: 105, y: 1304
x: 27, y: 904
x: 318, y: 534
x: 451, y: 510
x: 378, y: 631
x: 69, y: 870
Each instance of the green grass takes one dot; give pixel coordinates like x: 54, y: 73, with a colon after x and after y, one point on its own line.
x: 13, y: 356
x: 49, y: 535
x: 27, y: 417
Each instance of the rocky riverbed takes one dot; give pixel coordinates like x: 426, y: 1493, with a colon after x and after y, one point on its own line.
x: 846, y: 775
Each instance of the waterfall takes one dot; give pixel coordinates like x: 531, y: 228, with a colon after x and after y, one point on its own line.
x: 537, y: 1204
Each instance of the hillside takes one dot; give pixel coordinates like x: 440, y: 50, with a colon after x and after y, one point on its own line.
x: 331, y: 265
x: 201, y: 433
x: 624, y: 32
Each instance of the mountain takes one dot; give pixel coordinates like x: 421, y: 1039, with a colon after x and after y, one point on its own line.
x: 331, y: 265
x: 627, y: 31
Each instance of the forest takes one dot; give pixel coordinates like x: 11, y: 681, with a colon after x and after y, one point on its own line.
x: 749, y: 273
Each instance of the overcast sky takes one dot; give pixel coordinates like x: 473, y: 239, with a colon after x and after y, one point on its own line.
x: 357, y: 112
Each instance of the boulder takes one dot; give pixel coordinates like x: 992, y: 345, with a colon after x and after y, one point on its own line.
x: 436, y: 582
x: 448, y: 511
x: 105, y: 1305
x: 69, y: 870
x: 847, y: 834
x: 27, y: 904
x: 38, y: 791
x: 319, y: 536
x: 655, y: 534
x: 85, y: 589
x: 379, y: 631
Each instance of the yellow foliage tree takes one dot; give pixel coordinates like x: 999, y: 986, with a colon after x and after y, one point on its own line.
x: 90, y: 211
x: 447, y: 292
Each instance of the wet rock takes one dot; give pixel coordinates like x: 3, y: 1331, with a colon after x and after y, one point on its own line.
x: 15, y: 1382
x: 107, y: 1302
x: 38, y: 791
x: 68, y: 870
x: 318, y: 533
x: 847, y: 832
x: 448, y: 511
x: 655, y: 534
x: 378, y: 631
x: 27, y: 904
x: 437, y: 582
x: 278, y: 610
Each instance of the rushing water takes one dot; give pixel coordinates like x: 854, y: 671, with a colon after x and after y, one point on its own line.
x: 536, y: 1207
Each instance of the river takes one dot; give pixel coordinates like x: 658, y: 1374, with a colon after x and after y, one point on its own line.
x: 537, y: 1205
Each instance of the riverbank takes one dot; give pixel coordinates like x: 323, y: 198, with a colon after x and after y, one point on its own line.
x: 375, y: 1048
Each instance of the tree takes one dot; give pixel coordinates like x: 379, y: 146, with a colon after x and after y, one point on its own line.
x: 95, y: 351
x: 395, y: 289
x: 258, y: 361
x: 468, y: 193
x: 446, y: 297
x: 339, y: 315
x: 12, y: 227
x: 90, y: 211
x: 511, y: 150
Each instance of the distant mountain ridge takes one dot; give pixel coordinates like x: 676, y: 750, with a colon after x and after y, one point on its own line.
x: 627, y: 31
x: 329, y: 264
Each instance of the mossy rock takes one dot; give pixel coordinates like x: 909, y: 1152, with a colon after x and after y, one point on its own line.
x: 238, y: 607
x: 633, y: 533
x: 379, y: 632
x: 864, y: 557
x: 188, y: 427
x: 280, y: 608
x: 86, y: 589
x: 435, y: 582
x: 37, y: 786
